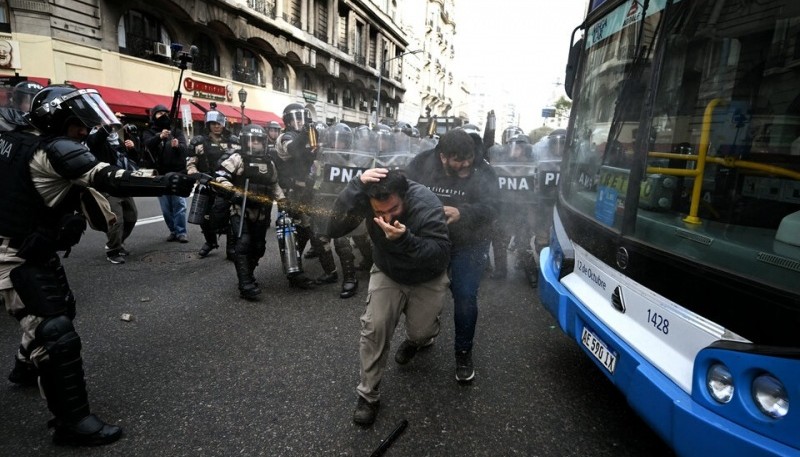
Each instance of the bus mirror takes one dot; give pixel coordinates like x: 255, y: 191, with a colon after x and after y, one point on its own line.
x: 572, y: 67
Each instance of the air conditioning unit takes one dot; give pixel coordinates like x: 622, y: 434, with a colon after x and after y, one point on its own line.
x: 161, y: 49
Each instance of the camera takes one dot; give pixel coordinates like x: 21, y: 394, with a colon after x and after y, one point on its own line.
x: 181, y: 57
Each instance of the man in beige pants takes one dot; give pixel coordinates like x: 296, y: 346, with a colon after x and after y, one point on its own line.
x: 411, y: 252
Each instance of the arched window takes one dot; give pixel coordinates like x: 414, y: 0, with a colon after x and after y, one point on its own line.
x: 142, y: 35
x: 280, y: 80
x: 333, y: 94
x: 348, y: 101
x: 247, y: 68
x: 308, y: 82
x: 207, y: 61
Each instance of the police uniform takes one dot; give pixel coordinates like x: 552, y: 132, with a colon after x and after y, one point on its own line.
x: 49, y: 184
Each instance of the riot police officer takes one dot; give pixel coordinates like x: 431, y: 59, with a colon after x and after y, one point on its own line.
x: 297, y: 150
x: 46, y: 180
x: 273, y: 132
x: 338, y: 159
x: 515, y: 169
x: 12, y: 116
x: 252, y: 172
x: 206, y: 153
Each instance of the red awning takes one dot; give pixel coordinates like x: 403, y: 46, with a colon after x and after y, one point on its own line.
x: 253, y: 116
x: 134, y: 103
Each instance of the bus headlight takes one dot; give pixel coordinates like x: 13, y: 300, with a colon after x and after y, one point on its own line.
x: 719, y: 382
x: 770, y: 396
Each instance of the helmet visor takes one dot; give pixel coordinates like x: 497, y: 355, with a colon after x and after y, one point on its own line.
x: 90, y: 109
x: 215, y: 116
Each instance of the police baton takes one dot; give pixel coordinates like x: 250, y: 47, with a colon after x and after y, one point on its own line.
x: 390, y: 439
x: 244, y: 202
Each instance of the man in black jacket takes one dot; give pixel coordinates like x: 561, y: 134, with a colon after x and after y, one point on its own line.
x: 467, y: 187
x: 411, y: 252
x: 166, y: 149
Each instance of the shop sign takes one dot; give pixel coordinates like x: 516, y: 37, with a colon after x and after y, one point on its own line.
x: 206, y: 90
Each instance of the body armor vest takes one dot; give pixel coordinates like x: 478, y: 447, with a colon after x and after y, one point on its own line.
x: 22, y: 209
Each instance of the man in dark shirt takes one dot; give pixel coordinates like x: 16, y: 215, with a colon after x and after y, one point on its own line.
x: 411, y: 251
x: 467, y: 187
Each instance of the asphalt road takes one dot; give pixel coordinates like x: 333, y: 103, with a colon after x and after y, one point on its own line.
x: 200, y: 372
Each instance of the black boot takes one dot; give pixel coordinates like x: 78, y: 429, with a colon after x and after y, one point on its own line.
x: 252, y: 264
x: 301, y: 281
x: 64, y: 387
x: 206, y: 249
x: 325, y: 255
x: 230, y: 242
x: 24, y: 373
x: 349, y: 281
x: 247, y: 287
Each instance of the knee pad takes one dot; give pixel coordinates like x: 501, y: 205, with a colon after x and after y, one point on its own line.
x: 57, y: 336
x: 43, y: 289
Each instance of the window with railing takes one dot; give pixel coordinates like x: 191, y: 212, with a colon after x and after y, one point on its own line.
x: 265, y: 7
x: 247, y: 68
x: 333, y: 94
x: 280, y: 81
x: 308, y: 82
x: 348, y: 101
x: 142, y: 35
x: 207, y: 60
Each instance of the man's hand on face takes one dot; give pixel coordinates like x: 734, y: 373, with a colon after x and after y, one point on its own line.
x: 392, y: 231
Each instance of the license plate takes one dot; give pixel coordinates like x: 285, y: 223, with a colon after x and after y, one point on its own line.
x: 599, y: 350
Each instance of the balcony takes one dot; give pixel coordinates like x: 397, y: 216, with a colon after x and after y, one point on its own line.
x: 343, y: 47
x: 360, y: 60
x: 265, y: 7
x: 322, y: 35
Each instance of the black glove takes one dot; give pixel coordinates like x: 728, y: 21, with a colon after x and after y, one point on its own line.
x: 179, y: 184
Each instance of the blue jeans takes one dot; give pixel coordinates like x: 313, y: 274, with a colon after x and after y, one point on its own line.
x: 467, y: 264
x: 173, y: 208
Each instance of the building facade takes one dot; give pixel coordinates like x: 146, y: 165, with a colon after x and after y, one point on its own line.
x: 325, y: 54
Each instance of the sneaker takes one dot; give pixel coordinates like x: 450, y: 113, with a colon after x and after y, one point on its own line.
x: 114, y: 257
x: 366, y: 411
x: 183, y: 238
x: 465, y: 371
x: 408, y: 350
x: 124, y: 252
x: 172, y: 237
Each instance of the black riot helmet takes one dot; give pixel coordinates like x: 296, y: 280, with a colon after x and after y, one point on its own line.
x: 253, y: 140
x: 215, y: 116
x: 22, y: 95
x: 339, y: 137
x: 519, y: 148
x: 511, y: 132
x: 55, y: 107
x: 471, y: 128
x: 384, y: 138
x: 295, y: 116
x: 273, y: 129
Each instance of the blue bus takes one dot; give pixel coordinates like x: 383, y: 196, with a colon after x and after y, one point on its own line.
x: 674, y: 257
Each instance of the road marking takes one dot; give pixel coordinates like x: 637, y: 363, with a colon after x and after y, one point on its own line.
x: 149, y: 220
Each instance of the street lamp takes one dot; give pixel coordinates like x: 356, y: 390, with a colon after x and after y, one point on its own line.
x: 380, y: 78
x: 242, y: 99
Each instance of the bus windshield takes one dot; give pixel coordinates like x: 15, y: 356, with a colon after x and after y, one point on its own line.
x: 686, y: 133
